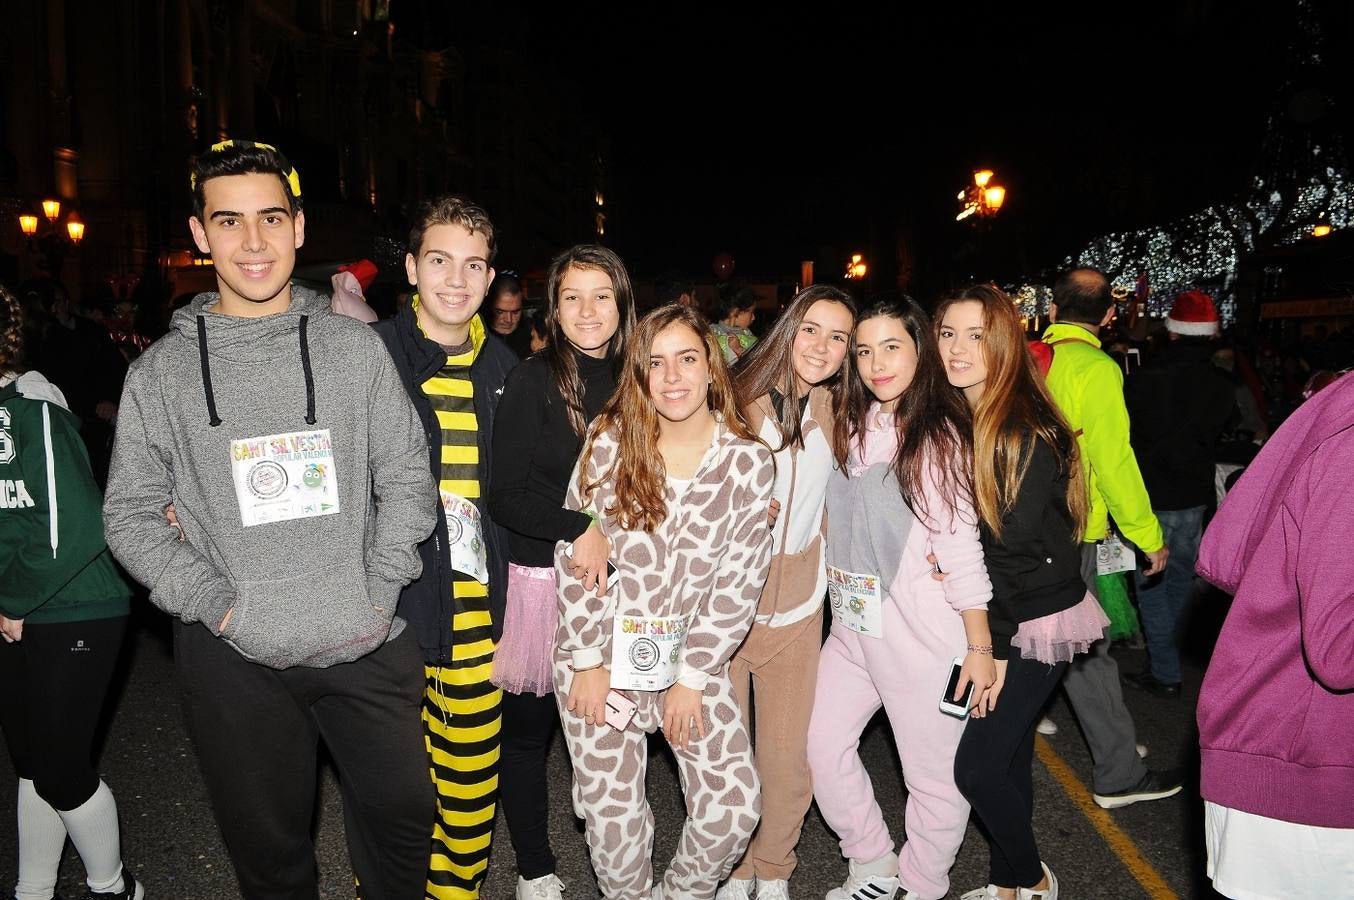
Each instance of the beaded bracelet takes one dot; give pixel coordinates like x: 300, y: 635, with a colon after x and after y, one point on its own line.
x: 980, y: 648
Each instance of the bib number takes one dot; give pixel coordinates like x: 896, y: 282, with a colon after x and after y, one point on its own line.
x: 465, y: 537
x: 646, y: 651
x: 856, y: 600
x: 1111, y: 556
x: 284, y: 476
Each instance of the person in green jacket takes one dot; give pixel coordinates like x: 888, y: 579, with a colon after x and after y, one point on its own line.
x: 1088, y: 387
x: 63, y: 614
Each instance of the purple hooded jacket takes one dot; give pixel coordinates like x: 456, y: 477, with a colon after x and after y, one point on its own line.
x: 1276, y: 713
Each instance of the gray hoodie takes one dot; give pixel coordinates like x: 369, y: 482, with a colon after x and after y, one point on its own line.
x: 315, y: 589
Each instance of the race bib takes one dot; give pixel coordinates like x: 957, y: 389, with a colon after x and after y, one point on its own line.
x: 465, y: 537
x: 284, y: 476
x: 1112, y: 555
x: 646, y: 651
x: 857, y: 601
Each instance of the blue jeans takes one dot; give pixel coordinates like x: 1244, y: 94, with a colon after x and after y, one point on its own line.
x: 1164, y: 600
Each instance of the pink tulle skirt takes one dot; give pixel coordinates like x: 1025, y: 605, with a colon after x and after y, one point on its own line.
x: 524, y: 659
x: 1061, y: 636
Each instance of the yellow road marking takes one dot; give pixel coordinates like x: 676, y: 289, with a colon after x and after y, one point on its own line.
x: 1120, y: 843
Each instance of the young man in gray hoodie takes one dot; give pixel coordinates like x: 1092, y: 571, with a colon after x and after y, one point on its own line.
x: 298, y: 472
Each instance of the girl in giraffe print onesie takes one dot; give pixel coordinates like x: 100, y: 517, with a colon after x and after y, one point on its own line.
x: 681, y: 488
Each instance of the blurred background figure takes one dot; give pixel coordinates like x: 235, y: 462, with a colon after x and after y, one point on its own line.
x: 1179, y: 403
x: 737, y: 310
x: 674, y: 288
x: 537, y: 329
x: 351, y: 283
x: 506, y: 300
x: 79, y: 356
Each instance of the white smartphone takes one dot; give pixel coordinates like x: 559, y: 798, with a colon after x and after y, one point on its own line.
x: 957, y: 708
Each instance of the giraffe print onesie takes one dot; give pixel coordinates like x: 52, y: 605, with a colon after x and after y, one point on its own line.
x: 705, y: 562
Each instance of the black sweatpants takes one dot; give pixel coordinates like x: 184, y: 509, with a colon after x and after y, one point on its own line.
x: 993, y: 770
x: 256, y: 731
x: 528, y: 725
x: 53, y: 684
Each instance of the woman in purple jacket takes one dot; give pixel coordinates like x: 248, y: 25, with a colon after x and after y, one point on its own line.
x: 1276, y: 712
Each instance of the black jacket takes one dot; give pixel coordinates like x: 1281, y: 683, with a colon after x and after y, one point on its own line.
x: 1178, y: 405
x: 427, y: 603
x: 1036, y: 566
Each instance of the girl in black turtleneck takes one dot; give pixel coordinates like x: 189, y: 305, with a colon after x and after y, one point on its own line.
x: 547, y: 403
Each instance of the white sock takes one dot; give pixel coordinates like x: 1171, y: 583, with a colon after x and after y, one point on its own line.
x: 42, y: 837
x: 93, y: 827
x: 886, y: 865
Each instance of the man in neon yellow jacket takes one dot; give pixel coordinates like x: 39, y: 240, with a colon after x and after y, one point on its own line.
x: 1088, y: 387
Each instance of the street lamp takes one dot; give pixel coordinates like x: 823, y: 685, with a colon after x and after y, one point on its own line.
x: 856, y: 268
x: 53, y: 239
x: 983, y: 198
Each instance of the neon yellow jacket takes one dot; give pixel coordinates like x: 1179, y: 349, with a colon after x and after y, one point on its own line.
x: 1088, y: 387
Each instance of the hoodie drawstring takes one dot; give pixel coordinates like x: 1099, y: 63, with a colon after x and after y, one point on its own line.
x: 215, y: 420
x: 310, y: 379
x: 206, y: 371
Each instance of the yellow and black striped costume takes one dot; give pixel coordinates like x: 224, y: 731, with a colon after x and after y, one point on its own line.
x: 460, y: 705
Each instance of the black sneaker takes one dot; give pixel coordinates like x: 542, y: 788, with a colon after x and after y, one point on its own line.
x: 1146, y: 681
x: 131, y: 889
x: 1153, y: 786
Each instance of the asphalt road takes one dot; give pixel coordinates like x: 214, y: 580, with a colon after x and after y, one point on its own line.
x: 171, y: 842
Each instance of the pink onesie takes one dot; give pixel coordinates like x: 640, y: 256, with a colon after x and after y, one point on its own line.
x: 905, y: 671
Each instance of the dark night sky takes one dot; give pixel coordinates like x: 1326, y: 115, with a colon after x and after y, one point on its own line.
x: 776, y: 135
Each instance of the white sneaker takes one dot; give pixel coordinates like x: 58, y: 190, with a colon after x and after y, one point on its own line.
x: 982, y: 893
x: 1047, y: 727
x: 735, y: 889
x: 774, y: 889
x: 864, y: 887
x: 1048, y: 893
x: 547, y: 887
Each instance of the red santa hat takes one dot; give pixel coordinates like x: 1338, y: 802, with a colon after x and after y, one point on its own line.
x: 1193, y: 313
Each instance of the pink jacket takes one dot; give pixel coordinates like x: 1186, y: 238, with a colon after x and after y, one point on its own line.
x: 1276, y: 713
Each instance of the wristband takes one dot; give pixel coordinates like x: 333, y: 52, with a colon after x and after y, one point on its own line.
x: 985, y: 649
x: 587, y: 668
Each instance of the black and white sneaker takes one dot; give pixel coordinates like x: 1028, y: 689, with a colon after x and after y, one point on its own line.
x: 861, y: 886
x: 1153, y: 786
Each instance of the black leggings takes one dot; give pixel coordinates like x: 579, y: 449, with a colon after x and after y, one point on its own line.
x: 55, y: 681
x: 992, y: 769
x: 528, y: 725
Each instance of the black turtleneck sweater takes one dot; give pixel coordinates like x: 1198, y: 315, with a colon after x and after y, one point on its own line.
x: 534, y: 454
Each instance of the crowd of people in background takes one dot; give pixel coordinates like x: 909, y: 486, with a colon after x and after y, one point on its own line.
x: 431, y: 538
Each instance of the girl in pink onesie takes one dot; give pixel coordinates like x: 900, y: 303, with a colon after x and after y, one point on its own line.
x: 902, y: 504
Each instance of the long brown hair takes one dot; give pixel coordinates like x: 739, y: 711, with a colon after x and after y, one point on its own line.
x: 769, y: 366
x: 637, y: 469
x: 11, y: 334
x: 559, y: 356
x: 931, y: 417
x: 1014, y: 411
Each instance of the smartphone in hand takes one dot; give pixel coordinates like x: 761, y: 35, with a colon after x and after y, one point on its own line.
x: 620, y: 709
x: 951, y: 707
